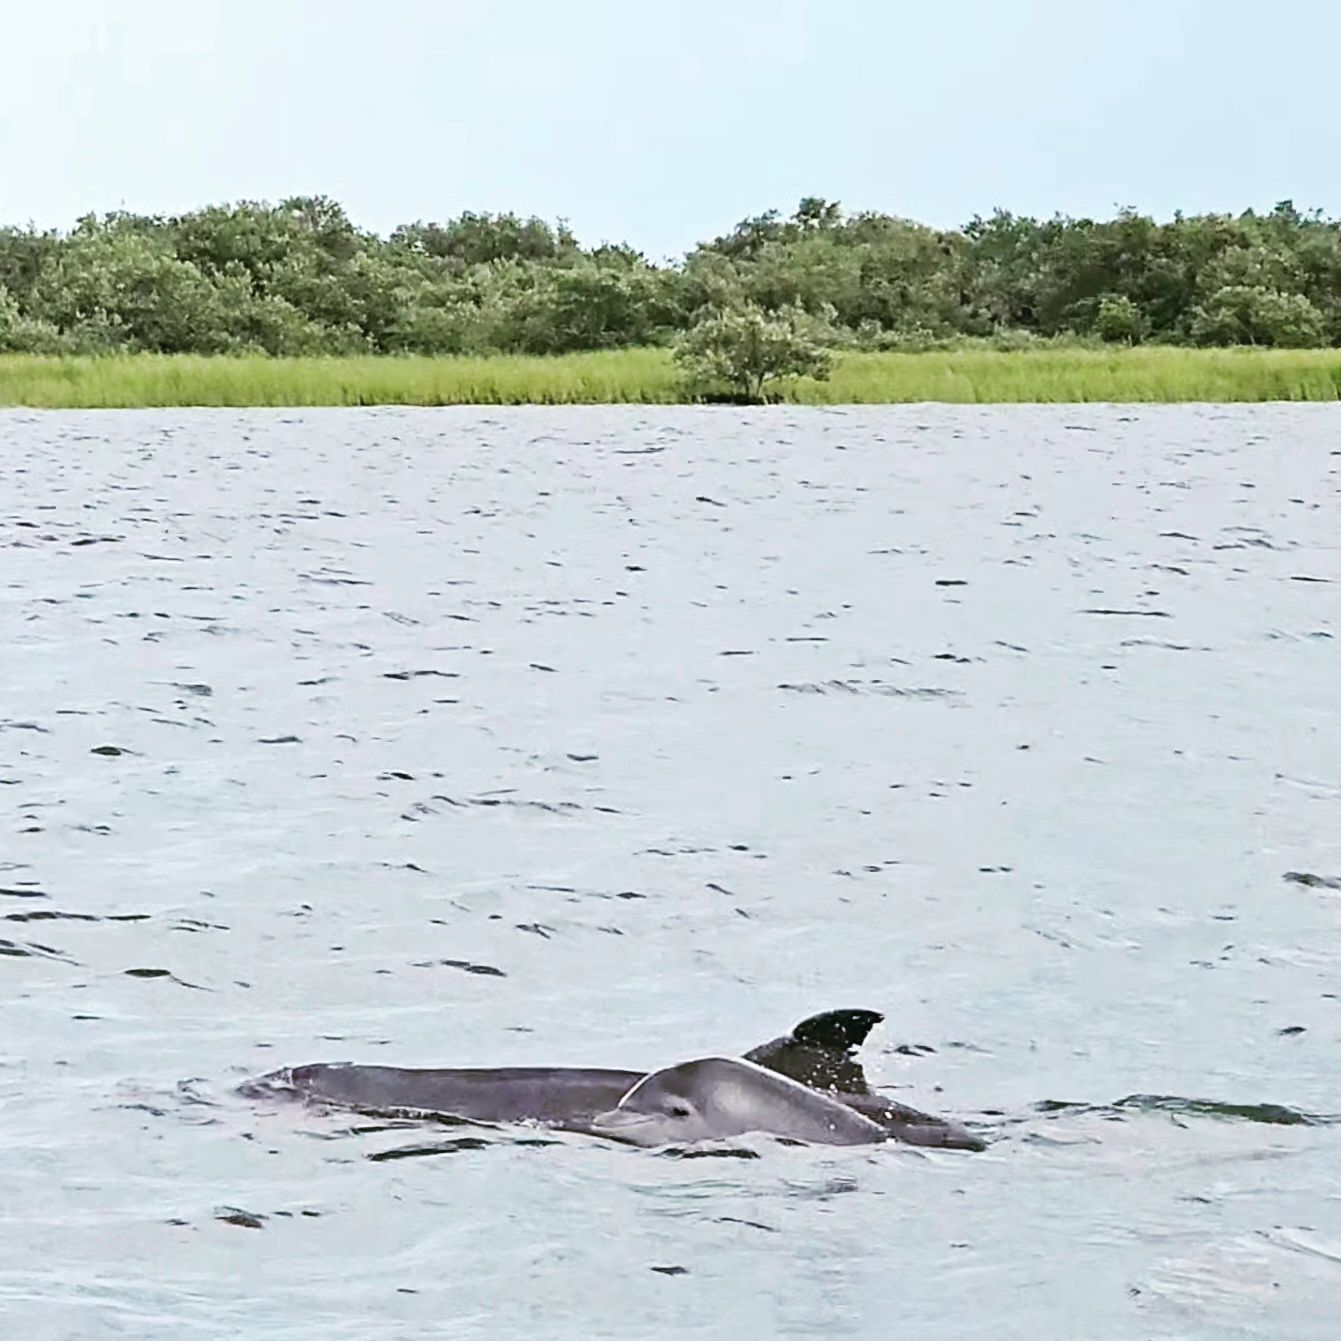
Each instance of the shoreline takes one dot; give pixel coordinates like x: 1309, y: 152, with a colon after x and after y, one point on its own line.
x: 1052, y: 375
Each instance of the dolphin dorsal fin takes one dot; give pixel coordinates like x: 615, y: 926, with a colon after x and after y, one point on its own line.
x: 845, y: 1029
x: 818, y: 1052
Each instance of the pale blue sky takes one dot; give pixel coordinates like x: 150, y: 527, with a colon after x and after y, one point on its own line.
x: 664, y: 124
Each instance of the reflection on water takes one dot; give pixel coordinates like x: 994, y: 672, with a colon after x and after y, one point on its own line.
x: 615, y: 737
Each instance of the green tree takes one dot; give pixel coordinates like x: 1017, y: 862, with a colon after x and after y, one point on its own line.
x: 477, y: 239
x: 588, y: 305
x: 24, y: 334
x: 250, y: 235
x: 816, y: 212
x: 23, y: 253
x: 117, y: 287
x: 1241, y: 314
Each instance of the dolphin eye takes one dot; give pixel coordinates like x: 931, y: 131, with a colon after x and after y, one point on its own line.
x: 679, y: 1109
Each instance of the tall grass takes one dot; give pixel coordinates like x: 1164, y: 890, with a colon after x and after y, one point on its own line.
x: 647, y: 375
x: 125, y: 380
x: 1058, y: 374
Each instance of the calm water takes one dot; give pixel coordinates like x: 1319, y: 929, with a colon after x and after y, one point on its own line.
x: 1006, y: 722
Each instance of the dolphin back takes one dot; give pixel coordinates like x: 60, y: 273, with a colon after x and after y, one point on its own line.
x: 548, y: 1094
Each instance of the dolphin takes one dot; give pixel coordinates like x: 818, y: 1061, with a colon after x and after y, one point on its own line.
x: 716, y: 1097
x: 817, y: 1054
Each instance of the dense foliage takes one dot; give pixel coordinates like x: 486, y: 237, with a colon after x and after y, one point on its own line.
x: 300, y: 278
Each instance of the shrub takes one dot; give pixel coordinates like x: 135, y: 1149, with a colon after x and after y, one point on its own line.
x: 742, y: 349
x: 1120, y: 321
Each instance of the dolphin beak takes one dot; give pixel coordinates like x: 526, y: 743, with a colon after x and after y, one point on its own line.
x: 961, y: 1138
x: 944, y: 1132
x: 620, y: 1125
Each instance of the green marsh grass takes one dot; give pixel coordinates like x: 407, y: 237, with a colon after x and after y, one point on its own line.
x: 973, y: 375
x: 1062, y: 375
x: 129, y: 380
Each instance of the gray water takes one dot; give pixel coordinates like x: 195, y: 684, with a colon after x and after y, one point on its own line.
x: 668, y: 728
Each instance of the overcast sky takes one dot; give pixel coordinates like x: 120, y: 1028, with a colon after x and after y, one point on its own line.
x: 663, y: 124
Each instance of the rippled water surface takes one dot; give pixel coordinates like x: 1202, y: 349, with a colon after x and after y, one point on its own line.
x: 617, y: 737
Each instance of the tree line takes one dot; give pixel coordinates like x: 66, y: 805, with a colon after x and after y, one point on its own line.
x: 299, y: 277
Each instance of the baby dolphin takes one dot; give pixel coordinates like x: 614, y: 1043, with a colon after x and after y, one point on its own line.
x: 717, y: 1097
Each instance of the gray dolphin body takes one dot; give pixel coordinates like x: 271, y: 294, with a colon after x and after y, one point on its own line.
x: 817, y: 1054
x: 717, y: 1097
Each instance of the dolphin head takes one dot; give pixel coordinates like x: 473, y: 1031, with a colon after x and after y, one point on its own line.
x: 717, y: 1097
x: 674, y: 1106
